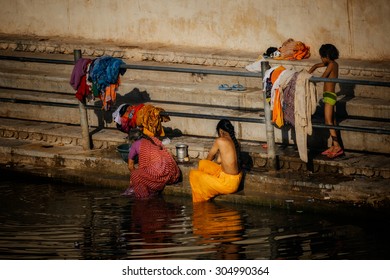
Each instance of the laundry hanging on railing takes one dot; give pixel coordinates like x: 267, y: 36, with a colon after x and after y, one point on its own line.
x: 293, y: 100
x: 78, y: 79
x: 144, y: 116
x: 99, y: 78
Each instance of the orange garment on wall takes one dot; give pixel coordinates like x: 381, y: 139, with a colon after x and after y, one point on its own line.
x: 293, y: 50
x: 301, y: 51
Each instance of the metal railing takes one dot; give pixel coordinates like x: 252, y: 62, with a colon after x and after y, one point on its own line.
x: 267, y: 113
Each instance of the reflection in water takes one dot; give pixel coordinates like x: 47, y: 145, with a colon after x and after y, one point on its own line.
x: 149, y: 228
x: 48, y: 221
x: 218, y: 226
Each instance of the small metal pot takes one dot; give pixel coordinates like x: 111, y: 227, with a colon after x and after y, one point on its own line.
x: 181, y: 152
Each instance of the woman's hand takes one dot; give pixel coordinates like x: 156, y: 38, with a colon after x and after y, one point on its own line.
x: 131, y: 164
x: 218, y: 159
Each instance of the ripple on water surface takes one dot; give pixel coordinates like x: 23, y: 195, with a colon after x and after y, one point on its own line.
x: 42, y: 220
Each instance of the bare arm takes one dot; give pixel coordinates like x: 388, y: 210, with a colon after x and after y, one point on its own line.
x: 225, y: 149
x: 131, y: 164
x: 315, y: 66
x: 331, y: 71
x: 213, y: 151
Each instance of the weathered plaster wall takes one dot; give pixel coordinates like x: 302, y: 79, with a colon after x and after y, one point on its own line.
x: 359, y: 28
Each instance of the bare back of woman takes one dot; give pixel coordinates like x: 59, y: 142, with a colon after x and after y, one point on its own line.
x: 220, y: 172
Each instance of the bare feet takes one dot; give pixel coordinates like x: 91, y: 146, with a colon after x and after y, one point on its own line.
x: 335, y: 152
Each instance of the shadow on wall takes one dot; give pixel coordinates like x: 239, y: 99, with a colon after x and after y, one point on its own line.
x: 348, y: 93
x: 135, y: 96
x: 318, y: 141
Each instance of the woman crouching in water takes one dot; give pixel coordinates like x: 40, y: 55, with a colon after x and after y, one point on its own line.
x: 220, y: 177
x: 156, y: 166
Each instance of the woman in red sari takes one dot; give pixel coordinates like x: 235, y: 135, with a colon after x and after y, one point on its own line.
x: 156, y: 166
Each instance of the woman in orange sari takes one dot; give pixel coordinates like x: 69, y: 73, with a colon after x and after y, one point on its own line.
x: 220, y: 177
x: 156, y: 166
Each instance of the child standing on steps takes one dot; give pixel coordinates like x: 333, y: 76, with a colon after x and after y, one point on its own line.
x: 329, y: 54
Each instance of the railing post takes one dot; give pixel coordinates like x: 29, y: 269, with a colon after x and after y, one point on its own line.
x: 86, y: 141
x: 270, y: 133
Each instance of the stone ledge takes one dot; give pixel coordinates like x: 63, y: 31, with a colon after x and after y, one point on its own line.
x: 63, y: 135
x: 348, y: 68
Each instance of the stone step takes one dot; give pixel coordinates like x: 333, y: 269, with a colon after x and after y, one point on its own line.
x: 352, y: 71
x: 178, y: 55
x: 58, y: 133
x: 203, y: 126
x: 363, y: 107
x: 201, y: 93
x: 193, y: 93
x: 188, y: 96
x: 32, y: 144
x: 363, y: 184
x: 61, y: 70
x: 50, y: 137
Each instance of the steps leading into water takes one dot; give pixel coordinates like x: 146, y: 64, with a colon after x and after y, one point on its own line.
x: 359, y: 106
x: 50, y: 135
x: 40, y: 132
x: 105, y: 168
x: 63, y: 108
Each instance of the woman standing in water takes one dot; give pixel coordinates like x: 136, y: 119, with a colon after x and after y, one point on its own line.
x: 156, y: 166
x: 220, y: 177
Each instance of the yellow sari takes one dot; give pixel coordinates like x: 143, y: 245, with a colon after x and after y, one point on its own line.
x: 209, y: 181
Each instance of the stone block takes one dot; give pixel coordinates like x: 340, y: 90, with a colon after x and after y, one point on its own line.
x: 9, y: 134
x: 348, y: 171
x: 23, y: 135
x: 295, y: 165
x: 368, y: 172
x: 385, y: 174
x: 260, y: 162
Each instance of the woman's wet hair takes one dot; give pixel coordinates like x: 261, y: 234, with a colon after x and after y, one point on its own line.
x: 329, y: 51
x: 136, y: 134
x: 227, y: 126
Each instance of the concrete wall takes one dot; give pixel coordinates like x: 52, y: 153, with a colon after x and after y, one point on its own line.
x: 359, y: 28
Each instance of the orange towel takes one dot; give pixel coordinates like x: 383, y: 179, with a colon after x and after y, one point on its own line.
x: 301, y: 51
